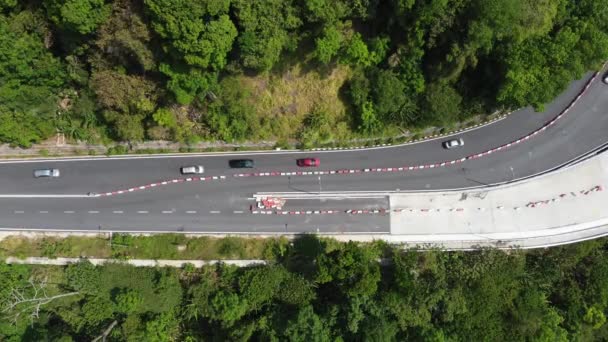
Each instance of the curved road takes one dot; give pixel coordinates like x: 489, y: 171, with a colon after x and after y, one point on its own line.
x: 223, y: 205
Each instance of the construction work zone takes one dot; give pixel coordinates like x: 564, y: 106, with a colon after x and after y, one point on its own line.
x: 565, y: 206
x: 561, y: 207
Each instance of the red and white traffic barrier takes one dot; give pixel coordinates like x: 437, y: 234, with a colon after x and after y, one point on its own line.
x: 532, y: 204
x: 535, y: 204
x: 153, y: 185
x: 379, y: 211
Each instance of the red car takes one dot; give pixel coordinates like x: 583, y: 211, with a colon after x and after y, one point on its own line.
x: 308, y: 162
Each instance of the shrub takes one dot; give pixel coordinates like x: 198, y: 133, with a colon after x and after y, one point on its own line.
x: 117, y: 149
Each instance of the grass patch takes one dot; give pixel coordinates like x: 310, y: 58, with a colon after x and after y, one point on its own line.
x: 165, y: 246
x: 176, y: 246
x: 283, y: 101
x: 54, y: 247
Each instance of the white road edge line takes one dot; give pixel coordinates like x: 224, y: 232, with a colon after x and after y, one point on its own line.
x: 93, y: 212
x: 118, y: 211
x: 68, y: 212
x: 167, y: 211
x: 142, y: 211
x: 44, y: 196
x: 214, y: 212
x: 191, y: 212
x: 238, y: 211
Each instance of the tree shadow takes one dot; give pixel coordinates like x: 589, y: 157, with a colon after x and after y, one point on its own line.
x: 304, y: 251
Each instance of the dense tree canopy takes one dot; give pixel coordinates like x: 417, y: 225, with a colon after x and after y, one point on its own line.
x: 403, y: 63
x: 30, y: 80
x: 320, y: 290
x: 82, y: 16
x: 199, y: 32
x: 266, y: 29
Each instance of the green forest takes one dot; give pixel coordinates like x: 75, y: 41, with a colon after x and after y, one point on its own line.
x: 312, y: 70
x: 320, y: 290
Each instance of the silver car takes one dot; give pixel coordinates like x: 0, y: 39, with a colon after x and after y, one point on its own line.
x: 46, y: 173
x: 192, y: 170
x: 453, y: 143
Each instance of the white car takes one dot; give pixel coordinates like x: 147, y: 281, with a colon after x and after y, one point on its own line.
x: 192, y: 170
x: 453, y: 143
x: 605, y: 78
x: 46, y: 173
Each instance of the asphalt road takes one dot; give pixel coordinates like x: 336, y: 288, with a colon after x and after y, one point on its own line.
x: 223, y: 205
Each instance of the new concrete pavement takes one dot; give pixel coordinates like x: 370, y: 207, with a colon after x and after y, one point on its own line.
x: 561, y: 207
x: 223, y: 205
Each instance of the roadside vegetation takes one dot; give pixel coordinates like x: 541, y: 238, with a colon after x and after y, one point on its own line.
x: 319, y: 290
x: 159, y: 246
x: 312, y: 70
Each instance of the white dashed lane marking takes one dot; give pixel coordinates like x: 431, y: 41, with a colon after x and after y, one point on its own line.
x: 139, y: 212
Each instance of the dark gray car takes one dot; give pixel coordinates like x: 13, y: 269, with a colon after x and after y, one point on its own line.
x: 241, y: 163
